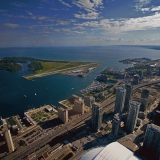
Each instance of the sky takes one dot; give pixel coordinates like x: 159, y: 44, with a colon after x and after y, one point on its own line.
x: 43, y: 23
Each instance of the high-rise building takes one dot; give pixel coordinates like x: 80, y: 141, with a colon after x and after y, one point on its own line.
x: 120, y: 99
x: 115, y: 124
x: 136, y: 79
x: 63, y: 114
x: 78, y: 106
x: 129, y: 89
x: 88, y: 101
x: 9, y: 141
x: 96, y: 116
x: 132, y: 116
x: 157, y: 118
x: 145, y: 93
x: 140, y: 73
x: 144, y: 104
x: 144, y: 99
x: 152, y: 139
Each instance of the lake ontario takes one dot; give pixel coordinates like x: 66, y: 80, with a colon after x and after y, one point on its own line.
x: 18, y: 94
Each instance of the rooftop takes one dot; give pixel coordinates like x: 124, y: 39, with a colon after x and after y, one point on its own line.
x: 113, y: 151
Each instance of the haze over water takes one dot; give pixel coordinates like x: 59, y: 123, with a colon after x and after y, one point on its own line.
x: 18, y: 94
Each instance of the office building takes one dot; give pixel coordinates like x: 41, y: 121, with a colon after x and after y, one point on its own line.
x: 157, y: 118
x: 136, y: 79
x: 144, y: 104
x: 140, y: 73
x: 63, y: 114
x: 120, y: 99
x: 152, y: 139
x: 144, y: 99
x: 129, y: 89
x: 132, y: 116
x: 88, y: 101
x: 9, y: 141
x: 96, y: 116
x: 78, y: 106
x: 115, y: 124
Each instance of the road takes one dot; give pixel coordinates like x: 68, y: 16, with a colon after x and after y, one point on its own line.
x: 65, y: 128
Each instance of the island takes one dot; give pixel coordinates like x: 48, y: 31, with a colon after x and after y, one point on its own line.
x: 43, y: 68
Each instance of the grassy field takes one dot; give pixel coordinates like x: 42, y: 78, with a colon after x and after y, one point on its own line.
x: 51, y: 66
x: 54, y: 67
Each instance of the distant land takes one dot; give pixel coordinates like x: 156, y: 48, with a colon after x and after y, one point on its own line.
x: 43, y: 68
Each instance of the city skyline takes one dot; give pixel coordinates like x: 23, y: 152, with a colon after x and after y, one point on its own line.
x: 79, y: 23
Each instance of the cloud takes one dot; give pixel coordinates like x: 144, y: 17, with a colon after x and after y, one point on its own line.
x: 91, y: 15
x: 145, y: 9
x: 125, y: 25
x: 156, y: 8
x: 18, y: 4
x: 64, y: 3
x: 141, y: 3
x: 11, y: 25
x: 1, y: 10
x: 90, y: 7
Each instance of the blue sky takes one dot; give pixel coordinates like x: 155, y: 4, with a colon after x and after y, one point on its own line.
x: 79, y: 22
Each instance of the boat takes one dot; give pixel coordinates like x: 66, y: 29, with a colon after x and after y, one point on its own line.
x: 25, y: 96
x: 35, y: 94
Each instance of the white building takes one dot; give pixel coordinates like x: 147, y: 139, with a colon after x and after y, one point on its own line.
x: 9, y: 141
x: 78, y: 106
x: 63, y: 114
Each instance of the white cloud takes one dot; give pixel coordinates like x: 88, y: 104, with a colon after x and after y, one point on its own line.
x: 11, y: 25
x: 145, y: 9
x: 91, y: 15
x: 64, y: 3
x: 156, y: 8
x: 90, y: 7
x: 141, y: 3
x: 125, y: 25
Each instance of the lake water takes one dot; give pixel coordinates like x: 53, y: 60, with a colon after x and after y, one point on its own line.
x: 18, y: 94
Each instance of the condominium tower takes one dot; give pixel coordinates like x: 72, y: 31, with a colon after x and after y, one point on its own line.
x: 129, y: 89
x: 115, y: 125
x: 144, y: 99
x: 120, y: 99
x: 96, y: 116
x: 132, y: 116
x: 152, y: 139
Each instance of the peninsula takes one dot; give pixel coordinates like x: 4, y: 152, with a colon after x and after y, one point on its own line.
x: 43, y: 68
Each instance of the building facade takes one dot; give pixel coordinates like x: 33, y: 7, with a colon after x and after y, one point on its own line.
x: 132, y: 116
x: 152, y: 139
x: 144, y: 99
x: 96, y: 116
x: 88, y: 101
x: 9, y: 141
x: 144, y: 104
x: 120, y: 99
x: 129, y: 90
x: 63, y: 114
x: 115, y: 124
x: 78, y: 106
x: 136, y: 79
